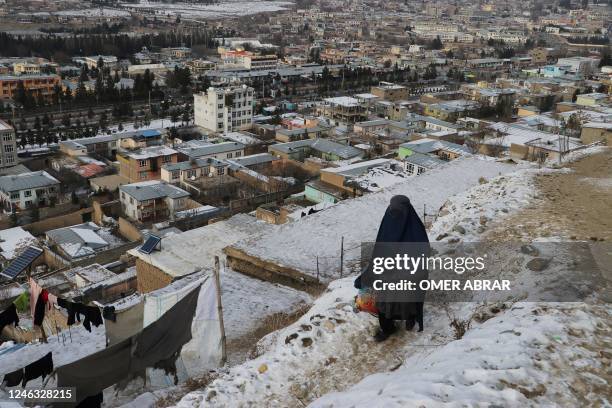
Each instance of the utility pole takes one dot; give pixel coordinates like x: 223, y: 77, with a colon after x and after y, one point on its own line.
x: 220, y: 311
x: 341, y: 256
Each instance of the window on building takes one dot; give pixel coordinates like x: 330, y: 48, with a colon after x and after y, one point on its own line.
x: 142, y: 163
x: 220, y: 106
x: 14, y: 196
x: 166, y: 159
x: 7, y: 137
x: 229, y: 156
x: 10, y: 159
x: 143, y: 175
x: 220, y: 116
x: 238, y: 154
x: 176, y: 174
x: 27, y: 193
x: 9, y: 148
x: 420, y: 170
x: 131, y: 200
x: 220, y: 170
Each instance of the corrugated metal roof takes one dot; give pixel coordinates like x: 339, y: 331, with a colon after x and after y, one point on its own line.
x: 150, y: 190
x: 26, y: 181
x: 205, y: 150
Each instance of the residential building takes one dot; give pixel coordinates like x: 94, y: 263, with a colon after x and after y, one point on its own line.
x: 193, y: 169
x: 224, y: 109
x: 580, y: 65
x: 592, y: 99
x: 176, y: 52
x: 200, y: 67
x: 12, y: 241
x: 290, y: 135
x: 25, y: 190
x: 596, y: 131
x: 256, y: 62
x: 441, y: 148
x: 199, y: 149
x: 390, y: 92
x: 419, y: 163
x: 343, y: 110
x: 8, y: 145
x: 154, y: 69
x: 145, y: 164
x: 322, y: 148
x: 26, y: 68
x: 152, y: 200
x: 108, y: 61
x: 79, y: 241
x: 40, y: 86
x: 354, y: 180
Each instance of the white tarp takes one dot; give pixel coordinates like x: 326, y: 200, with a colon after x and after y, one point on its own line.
x: 204, y: 351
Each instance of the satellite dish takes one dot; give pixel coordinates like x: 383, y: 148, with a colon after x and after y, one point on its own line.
x: 210, y: 175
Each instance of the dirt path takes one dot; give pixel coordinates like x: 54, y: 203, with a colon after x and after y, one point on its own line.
x: 575, y: 205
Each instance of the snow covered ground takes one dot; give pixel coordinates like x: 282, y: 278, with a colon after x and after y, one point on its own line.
x: 551, y: 351
x: 298, y: 244
x: 226, y: 8
x: 247, y: 301
x: 543, y: 346
x: 85, y: 12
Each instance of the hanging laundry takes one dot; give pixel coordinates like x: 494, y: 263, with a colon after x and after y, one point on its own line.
x: 91, y: 314
x: 13, y: 379
x: 159, y: 341
x: 52, y: 300
x: 35, y: 290
x: 109, y: 313
x: 39, y: 309
x: 39, y: 368
x: 9, y: 316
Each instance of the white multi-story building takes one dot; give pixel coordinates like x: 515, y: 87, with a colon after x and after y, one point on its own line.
x: 224, y: 109
x: 580, y: 65
x: 8, y: 145
x: 22, y: 191
x: 152, y: 200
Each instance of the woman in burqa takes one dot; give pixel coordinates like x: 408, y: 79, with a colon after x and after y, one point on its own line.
x: 400, y: 224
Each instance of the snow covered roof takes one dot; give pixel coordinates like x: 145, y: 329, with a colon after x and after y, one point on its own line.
x: 345, y: 101
x: 152, y: 189
x: 598, y: 125
x: 431, y: 145
x: 12, y: 239
x: 176, y: 257
x: 322, y: 145
x: 27, y: 181
x: 78, y: 240
x: 424, y: 160
x: 150, y: 152
x: 357, y: 168
x: 518, y: 134
x: 205, y: 149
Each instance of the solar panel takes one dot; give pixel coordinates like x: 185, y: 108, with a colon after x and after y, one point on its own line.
x: 21, y: 262
x: 150, y: 244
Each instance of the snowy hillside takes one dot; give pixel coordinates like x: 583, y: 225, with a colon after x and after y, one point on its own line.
x: 328, y: 358
x: 298, y: 244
